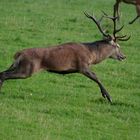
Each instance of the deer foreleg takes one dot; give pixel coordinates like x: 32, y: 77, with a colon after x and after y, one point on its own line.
x: 93, y: 77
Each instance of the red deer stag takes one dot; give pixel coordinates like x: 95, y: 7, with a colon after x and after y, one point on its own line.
x: 134, y: 2
x: 67, y: 58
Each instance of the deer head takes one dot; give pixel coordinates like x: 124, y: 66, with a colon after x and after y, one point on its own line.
x: 112, y: 39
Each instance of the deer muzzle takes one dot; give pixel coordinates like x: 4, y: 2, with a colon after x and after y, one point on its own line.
x: 121, y: 57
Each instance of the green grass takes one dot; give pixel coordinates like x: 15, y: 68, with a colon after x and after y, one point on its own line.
x: 56, y: 107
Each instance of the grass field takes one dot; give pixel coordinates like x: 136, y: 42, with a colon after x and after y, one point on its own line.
x: 56, y: 107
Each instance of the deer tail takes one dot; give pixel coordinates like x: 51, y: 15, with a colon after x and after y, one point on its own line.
x: 16, y: 56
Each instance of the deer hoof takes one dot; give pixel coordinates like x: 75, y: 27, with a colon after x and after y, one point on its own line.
x: 109, y: 99
x: 106, y: 95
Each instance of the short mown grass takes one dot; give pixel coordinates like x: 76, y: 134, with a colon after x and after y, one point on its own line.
x: 56, y: 107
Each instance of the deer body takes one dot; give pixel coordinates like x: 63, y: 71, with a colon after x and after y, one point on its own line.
x: 69, y: 57
x: 66, y: 57
x: 63, y: 59
x: 133, y: 2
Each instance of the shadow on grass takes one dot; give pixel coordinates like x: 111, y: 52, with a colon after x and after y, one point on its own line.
x: 29, y: 98
x: 21, y: 97
x: 100, y: 101
x: 2, y: 93
x: 114, y: 103
x: 119, y: 103
x: 25, y: 96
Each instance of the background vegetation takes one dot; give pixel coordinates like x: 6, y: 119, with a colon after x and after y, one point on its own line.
x: 56, y: 107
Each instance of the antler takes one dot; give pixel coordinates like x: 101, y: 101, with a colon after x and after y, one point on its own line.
x: 123, y: 38
x: 97, y: 23
x: 115, y: 30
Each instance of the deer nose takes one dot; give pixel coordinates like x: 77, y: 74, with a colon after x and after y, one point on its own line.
x: 122, y: 57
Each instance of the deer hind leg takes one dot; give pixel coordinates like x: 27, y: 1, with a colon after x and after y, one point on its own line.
x: 93, y: 77
x: 131, y: 22
x: 138, y: 14
x: 116, y: 9
x: 21, y: 70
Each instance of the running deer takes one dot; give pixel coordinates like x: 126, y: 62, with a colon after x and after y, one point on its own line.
x: 133, y: 2
x: 68, y: 58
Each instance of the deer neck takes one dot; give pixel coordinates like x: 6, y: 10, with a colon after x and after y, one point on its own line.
x: 101, y: 49
x: 104, y: 53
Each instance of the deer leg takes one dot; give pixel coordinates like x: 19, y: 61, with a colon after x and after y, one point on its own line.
x: 116, y: 10
x: 131, y: 22
x: 18, y: 72
x: 137, y: 10
x: 93, y: 77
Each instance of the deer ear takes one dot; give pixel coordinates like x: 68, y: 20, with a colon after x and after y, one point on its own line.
x: 109, y: 38
x: 111, y: 42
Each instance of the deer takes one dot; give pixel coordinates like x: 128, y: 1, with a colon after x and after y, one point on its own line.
x: 69, y: 57
x: 133, y: 2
